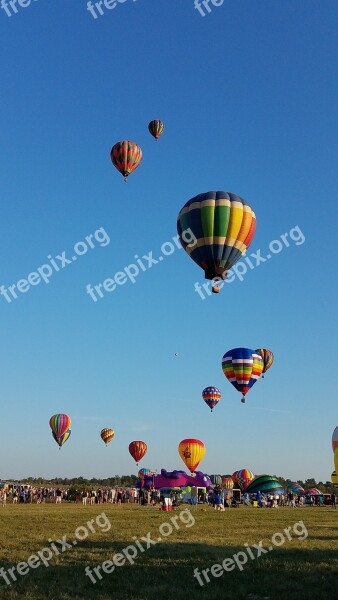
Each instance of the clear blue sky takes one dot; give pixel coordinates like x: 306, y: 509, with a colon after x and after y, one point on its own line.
x: 249, y: 96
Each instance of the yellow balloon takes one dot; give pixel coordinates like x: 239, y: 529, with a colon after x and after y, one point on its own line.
x: 334, y: 478
x: 336, y: 459
x: 191, y: 452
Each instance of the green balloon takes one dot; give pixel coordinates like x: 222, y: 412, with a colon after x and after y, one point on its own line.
x: 188, y: 489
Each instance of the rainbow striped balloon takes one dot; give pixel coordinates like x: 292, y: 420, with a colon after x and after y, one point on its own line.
x: 211, y: 396
x: 295, y: 488
x: 242, y: 367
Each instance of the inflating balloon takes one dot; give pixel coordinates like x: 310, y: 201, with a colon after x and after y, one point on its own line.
x: 145, y: 473
x: 156, y: 128
x: 242, y: 367
x: 216, y: 229
x: 126, y: 156
x: 268, y: 358
x: 295, y: 488
x: 137, y: 450
x: 191, y: 452
x: 211, y: 396
x: 107, y: 435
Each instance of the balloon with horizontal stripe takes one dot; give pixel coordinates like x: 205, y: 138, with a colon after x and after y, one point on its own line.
x: 216, y: 229
x: 295, y: 488
x: 145, y: 473
x: 264, y: 484
x: 191, y: 452
x: 137, y: 449
x: 126, y: 156
x: 242, y: 367
x: 243, y: 478
x: 107, y: 435
x: 211, y: 396
x: 268, y: 358
x: 156, y: 128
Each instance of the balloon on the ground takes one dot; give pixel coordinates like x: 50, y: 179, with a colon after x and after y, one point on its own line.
x: 313, y: 492
x: 242, y: 367
x: 335, y: 439
x: 126, y: 156
x: 107, y: 435
x: 211, y: 396
x: 144, y: 473
x: 216, y: 229
x: 265, y: 484
x: 137, y: 450
x: 243, y: 478
x: 295, y: 488
x: 216, y: 479
x: 191, y: 452
x: 268, y: 358
x: 156, y: 128
x: 228, y: 483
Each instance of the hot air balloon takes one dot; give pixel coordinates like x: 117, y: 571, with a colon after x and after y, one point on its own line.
x: 243, y: 477
x: 228, y: 483
x: 242, y: 367
x: 63, y: 438
x: 60, y: 425
x: 126, y: 157
x: 334, y: 478
x: 138, y: 449
x: 216, y: 229
x: 336, y: 459
x: 295, y: 488
x: 216, y: 479
x: 265, y: 484
x: 335, y: 439
x: 107, y: 435
x: 268, y: 358
x: 191, y: 452
x: 313, y: 492
x: 156, y: 128
x: 211, y: 396
x: 145, y: 473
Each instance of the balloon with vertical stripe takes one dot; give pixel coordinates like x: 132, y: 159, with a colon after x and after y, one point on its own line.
x: 268, y: 358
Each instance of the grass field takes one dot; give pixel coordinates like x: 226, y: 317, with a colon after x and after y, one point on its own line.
x: 300, y: 568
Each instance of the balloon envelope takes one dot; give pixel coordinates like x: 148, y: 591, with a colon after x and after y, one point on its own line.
x: 228, y: 483
x: 63, y: 438
x: 335, y: 439
x: 216, y: 479
x: 295, y: 488
x: 243, y: 477
x: 313, y: 492
x: 126, y: 156
x: 137, y: 450
x: 107, y: 435
x: 267, y: 356
x: 334, y: 478
x: 211, y: 396
x: 191, y: 452
x: 216, y: 229
x: 242, y: 367
x: 145, y: 473
x: 336, y: 459
x: 156, y: 128
x: 59, y: 424
x: 264, y: 484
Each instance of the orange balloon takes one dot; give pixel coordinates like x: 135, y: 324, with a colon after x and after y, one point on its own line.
x: 107, y: 435
x: 191, y: 452
x: 138, y: 449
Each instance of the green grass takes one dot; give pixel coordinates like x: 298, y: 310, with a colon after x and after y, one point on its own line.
x: 298, y: 569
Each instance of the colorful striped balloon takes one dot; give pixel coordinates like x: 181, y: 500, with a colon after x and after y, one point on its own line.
x: 313, y: 492
x: 156, y: 128
x: 265, y: 484
x: 126, y: 156
x: 59, y: 424
x: 295, y: 488
x: 145, y: 473
x: 335, y: 439
x: 242, y: 367
x: 243, y: 478
x: 107, y: 435
x: 211, y: 396
x: 138, y: 449
x: 228, y: 483
x: 216, y: 229
x: 63, y: 438
x: 268, y: 358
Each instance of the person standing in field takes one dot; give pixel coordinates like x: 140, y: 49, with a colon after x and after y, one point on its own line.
x: 334, y: 500
x: 58, y: 494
